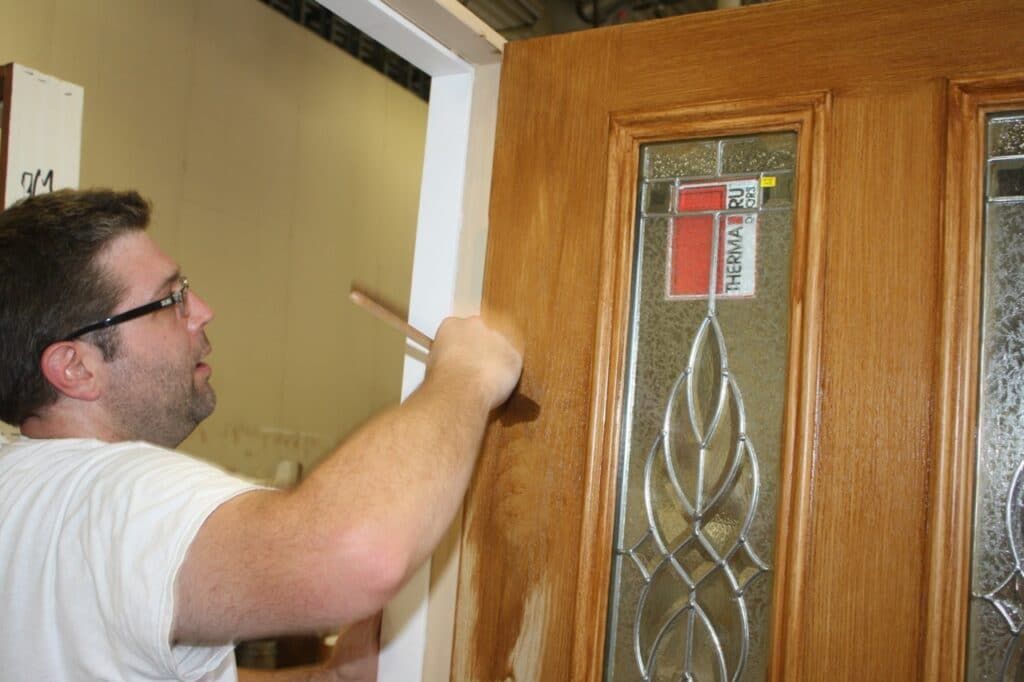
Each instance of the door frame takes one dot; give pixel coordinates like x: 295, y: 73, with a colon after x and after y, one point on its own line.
x: 462, y: 55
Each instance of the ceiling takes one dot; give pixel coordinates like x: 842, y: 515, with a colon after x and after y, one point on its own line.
x: 517, y: 19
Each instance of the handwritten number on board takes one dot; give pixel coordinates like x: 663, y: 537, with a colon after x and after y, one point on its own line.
x: 30, y: 182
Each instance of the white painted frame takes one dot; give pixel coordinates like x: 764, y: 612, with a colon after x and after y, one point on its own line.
x: 463, y: 57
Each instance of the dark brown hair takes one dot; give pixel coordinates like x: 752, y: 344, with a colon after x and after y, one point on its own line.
x: 51, y: 284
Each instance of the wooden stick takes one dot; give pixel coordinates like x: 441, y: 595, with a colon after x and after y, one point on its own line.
x: 390, y: 317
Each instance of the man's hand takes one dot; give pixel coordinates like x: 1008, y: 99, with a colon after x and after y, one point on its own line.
x: 469, y: 350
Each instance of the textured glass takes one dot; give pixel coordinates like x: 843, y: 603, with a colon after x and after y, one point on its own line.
x: 658, y: 197
x: 680, y: 160
x: 690, y: 597
x: 757, y: 154
x: 1006, y: 136
x: 1006, y: 178
x: 995, y: 645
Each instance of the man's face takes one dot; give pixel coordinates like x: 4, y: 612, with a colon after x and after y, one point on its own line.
x: 158, y: 388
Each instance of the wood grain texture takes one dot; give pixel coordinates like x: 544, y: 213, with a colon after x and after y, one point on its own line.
x: 871, y: 470
x: 858, y: 547
x: 521, y: 543
x: 802, y: 390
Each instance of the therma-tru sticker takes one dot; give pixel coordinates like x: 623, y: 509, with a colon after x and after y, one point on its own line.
x: 728, y: 210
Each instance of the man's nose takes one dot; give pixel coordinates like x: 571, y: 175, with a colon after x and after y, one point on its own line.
x: 199, y: 311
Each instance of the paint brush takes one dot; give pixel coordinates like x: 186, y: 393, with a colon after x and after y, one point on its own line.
x: 518, y: 408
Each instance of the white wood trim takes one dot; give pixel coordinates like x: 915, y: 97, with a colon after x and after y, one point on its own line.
x: 462, y: 55
x: 447, y: 21
x: 472, y: 250
x: 435, y: 260
x: 447, y: 278
x: 424, y: 32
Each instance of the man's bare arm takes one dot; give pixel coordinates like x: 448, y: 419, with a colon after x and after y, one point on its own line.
x: 339, y: 546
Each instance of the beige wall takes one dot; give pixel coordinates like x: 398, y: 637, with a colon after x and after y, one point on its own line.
x: 280, y: 169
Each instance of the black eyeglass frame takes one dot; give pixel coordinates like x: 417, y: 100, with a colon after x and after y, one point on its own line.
x: 175, y: 298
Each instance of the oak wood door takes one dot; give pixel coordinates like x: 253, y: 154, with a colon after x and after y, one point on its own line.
x: 869, y: 578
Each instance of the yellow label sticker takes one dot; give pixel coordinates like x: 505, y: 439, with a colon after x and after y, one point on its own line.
x: 767, y: 180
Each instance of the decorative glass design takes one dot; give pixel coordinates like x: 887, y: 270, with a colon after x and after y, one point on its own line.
x: 705, y: 381
x: 995, y: 644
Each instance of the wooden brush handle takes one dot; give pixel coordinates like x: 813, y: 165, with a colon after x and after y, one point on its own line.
x: 517, y: 409
x: 390, y: 317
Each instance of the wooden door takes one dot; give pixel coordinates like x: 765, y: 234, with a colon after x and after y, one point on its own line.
x: 870, y: 567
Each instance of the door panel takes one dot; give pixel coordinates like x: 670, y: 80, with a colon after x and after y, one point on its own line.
x: 866, y: 509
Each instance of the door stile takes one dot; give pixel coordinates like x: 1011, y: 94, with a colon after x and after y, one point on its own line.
x: 610, y: 348
x: 808, y: 116
x: 956, y: 426
x: 803, y: 392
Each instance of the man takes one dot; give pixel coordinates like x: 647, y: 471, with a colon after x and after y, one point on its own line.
x: 124, y: 560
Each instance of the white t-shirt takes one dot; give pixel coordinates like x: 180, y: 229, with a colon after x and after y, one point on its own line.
x: 91, y: 539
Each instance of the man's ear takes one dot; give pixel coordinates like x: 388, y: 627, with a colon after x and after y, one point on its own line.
x: 72, y: 368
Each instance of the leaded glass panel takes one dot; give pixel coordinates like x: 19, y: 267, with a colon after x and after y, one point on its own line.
x: 995, y: 645
x: 705, y: 386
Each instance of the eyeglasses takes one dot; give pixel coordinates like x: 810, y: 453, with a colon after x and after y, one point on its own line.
x: 179, y: 297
